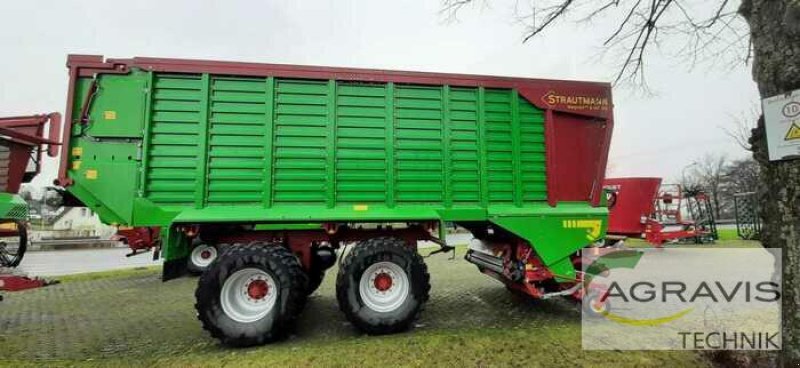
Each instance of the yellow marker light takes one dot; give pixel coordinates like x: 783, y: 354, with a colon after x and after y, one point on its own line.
x: 110, y: 115
x: 91, y: 174
x: 77, y: 151
x: 76, y: 165
x: 360, y: 207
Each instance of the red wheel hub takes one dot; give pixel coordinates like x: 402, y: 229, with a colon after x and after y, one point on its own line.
x: 383, y: 281
x: 206, y: 254
x: 257, y: 289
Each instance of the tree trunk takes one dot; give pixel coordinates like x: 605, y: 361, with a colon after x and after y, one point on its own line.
x: 775, y: 37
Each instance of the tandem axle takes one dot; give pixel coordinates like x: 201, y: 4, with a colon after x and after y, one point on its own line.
x: 382, y: 283
x: 258, y: 281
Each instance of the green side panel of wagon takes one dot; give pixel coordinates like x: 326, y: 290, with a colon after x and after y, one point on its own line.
x: 325, y: 144
x: 105, y: 152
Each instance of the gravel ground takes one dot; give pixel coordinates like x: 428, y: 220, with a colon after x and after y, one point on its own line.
x: 139, y: 319
x: 140, y: 316
x: 66, y: 262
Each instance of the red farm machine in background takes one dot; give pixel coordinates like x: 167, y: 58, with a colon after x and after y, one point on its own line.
x: 22, y: 140
x: 659, y: 213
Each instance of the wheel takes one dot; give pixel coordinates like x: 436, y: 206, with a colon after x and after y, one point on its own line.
x: 201, y: 256
x: 382, y: 286
x: 593, y: 306
x: 13, y: 243
x: 251, y: 295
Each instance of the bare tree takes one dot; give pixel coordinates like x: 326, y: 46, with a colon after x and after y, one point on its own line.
x: 708, y: 174
x: 743, y: 125
x: 703, y: 32
x: 721, y: 179
x: 741, y: 176
x: 773, y: 47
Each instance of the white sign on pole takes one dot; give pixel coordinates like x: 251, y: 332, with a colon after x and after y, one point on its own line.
x: 782, y: 120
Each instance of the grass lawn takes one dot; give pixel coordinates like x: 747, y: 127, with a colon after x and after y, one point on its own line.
x: 521, y: 346
x: 129, y: 319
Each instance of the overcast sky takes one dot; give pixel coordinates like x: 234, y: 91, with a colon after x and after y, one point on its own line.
x: 658, y: 135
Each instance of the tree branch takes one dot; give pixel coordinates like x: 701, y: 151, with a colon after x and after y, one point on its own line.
x: 710, y: 32
x: 556, y: 12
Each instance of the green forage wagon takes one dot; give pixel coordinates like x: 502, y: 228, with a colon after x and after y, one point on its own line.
x: 279, y: 166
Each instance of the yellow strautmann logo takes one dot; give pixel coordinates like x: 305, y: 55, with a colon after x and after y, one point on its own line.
x: 592, y: 227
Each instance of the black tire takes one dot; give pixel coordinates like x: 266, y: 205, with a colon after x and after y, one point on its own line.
x: 363, y: 256
x: 291, y: 282
x: 192, y: 266
x: 12, y: 258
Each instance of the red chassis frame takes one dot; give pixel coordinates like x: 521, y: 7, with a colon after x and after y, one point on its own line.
x: 141, y: 239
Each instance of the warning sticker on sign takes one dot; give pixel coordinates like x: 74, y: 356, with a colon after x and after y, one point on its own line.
x: 793, y: 133
x: 782, y: 120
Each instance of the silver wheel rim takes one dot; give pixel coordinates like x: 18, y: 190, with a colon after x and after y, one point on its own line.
x: 374, y: 291
x: 242, y: 296
x: 202, y: 255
